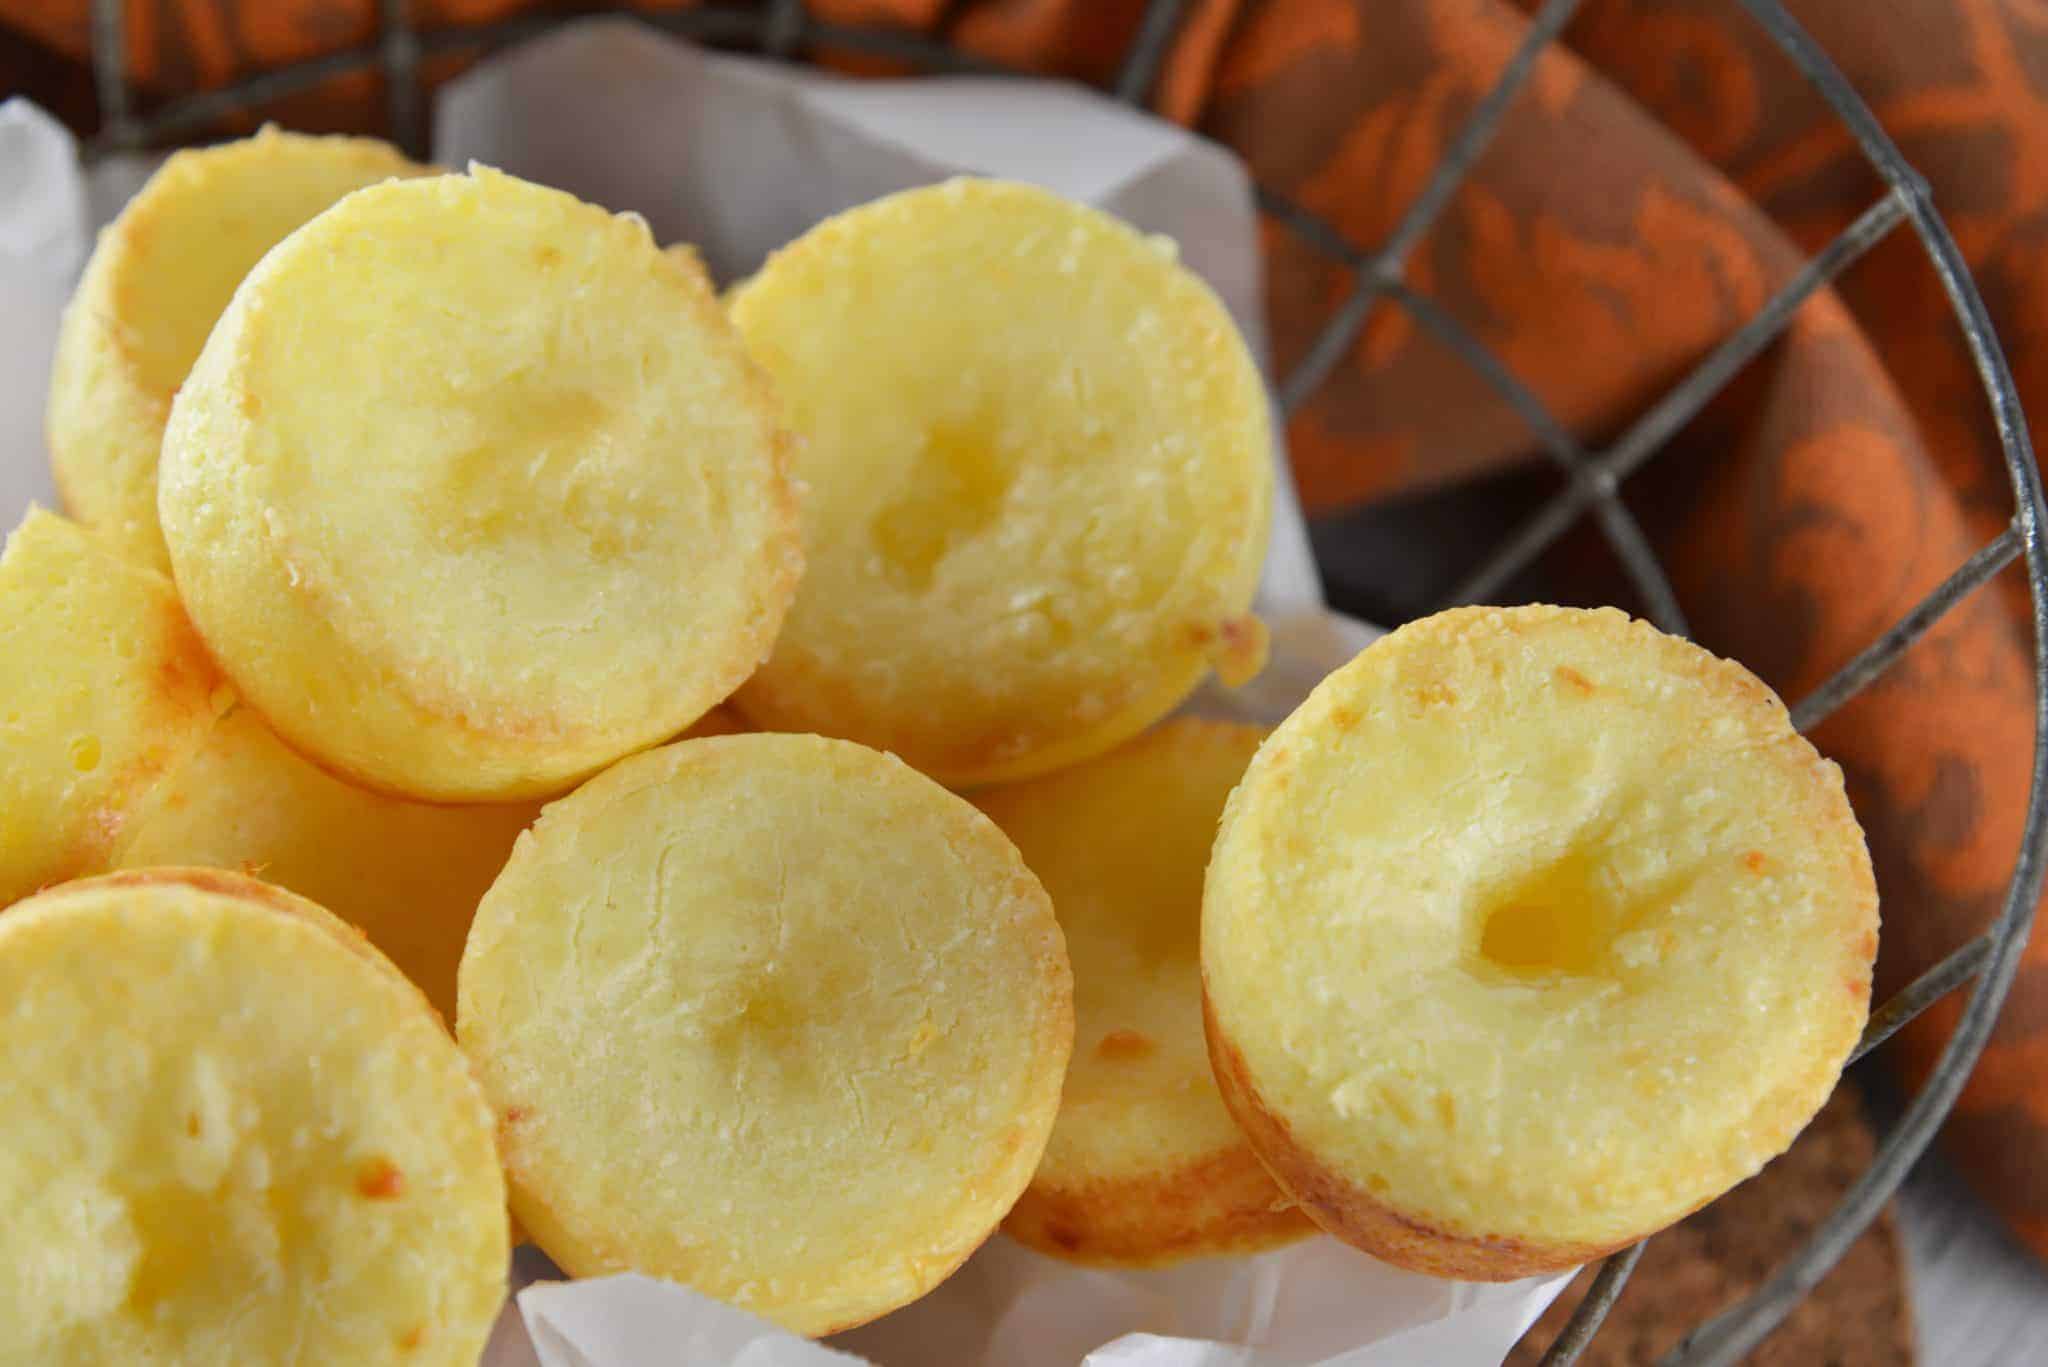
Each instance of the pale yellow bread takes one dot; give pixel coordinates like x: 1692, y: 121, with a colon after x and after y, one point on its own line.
x: 158, y: 278
x: 104, y: 688
x: 770, y: 1015
x: 1039, y: 471
x: 235, y: 1134
x: 1145, y: 1166
x: 473, y: 490
x: 408, y: 874
x: 1531, y: 931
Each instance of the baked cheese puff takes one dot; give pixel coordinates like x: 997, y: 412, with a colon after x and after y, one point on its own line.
x: 1145, y: 1166
x: 235, y: 1134
x: 773, y: 1016
x: 1531, y: 931
x: 473, y: 490
x: 104, y: 688
x: 1038, y: 460
x: 409, y: 874
x: 158, y: 278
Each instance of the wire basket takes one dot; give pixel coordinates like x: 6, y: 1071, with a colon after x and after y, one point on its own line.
x: 1593, y: 478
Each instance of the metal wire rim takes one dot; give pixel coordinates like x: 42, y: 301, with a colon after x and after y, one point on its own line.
x: 784, y: 29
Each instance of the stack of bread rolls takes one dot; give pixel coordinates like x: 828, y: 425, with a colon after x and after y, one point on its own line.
x: 747, y: 720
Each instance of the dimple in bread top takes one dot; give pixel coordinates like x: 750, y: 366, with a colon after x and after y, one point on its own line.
x: 773, y: 1016
x: 235, y: 1134
x: 1039, y: 471
x: 1529, y: 932
x: 473, y: 490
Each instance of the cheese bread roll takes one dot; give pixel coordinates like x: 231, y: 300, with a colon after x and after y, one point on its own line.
x: 158, y: 278
x: 1531, y: 931
x: 1145, y: 1166
x: 104, y: 688
x: 473, y: 490
x: 773, y: 1016
x: 1038, y: 458
x: 234, y: 1135
x: 409, y: 874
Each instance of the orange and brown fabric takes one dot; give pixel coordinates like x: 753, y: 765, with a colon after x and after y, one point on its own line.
x: 1664, y: 170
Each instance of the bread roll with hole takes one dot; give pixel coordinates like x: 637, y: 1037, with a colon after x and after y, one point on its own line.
x: 408, y: 874
x: 473, y: 490
x: 773, y: 1016
x: 1531, y: 931
x: 1145, y: 1166
x: 235, y: 1134
x: 104, y: 688
x: 1039, y: 468
x: 159, y: 276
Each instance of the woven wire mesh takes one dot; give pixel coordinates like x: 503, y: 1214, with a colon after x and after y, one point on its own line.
x: 784, y: 29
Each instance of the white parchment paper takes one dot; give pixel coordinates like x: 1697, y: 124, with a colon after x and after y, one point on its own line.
x: 737, y: 157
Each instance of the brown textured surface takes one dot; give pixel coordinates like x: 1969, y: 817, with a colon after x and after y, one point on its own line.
x: 1857, y: 1317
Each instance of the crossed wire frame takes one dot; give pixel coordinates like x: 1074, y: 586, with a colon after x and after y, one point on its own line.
x: 783, y: 28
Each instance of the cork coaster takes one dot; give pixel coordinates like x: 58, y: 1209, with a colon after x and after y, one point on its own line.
x: 1859, y: 1314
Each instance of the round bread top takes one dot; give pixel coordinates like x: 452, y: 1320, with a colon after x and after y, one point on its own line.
x: 106, y: 688
x: 770, y: 1015
x: 159, y: 276
x: 473, y: 490
x: 1145, y: 1165
x: 1535, y: 925
x: 1039, y: 468
x: 234, y: 1134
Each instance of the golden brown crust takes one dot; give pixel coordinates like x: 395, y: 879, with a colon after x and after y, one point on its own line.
x: 126, y: 697
x: 1225, y: 1204
x: 1363, y: 1220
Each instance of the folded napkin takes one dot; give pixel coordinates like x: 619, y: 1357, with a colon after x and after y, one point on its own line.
x: 1662, y: 173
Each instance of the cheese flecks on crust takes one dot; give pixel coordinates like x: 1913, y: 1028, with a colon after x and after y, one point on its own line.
x: 1531, y: 931
x: 1145, y: 1165
x: 235, y: 1134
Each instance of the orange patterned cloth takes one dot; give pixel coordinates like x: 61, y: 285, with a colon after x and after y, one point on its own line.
x: 1663, y: 172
